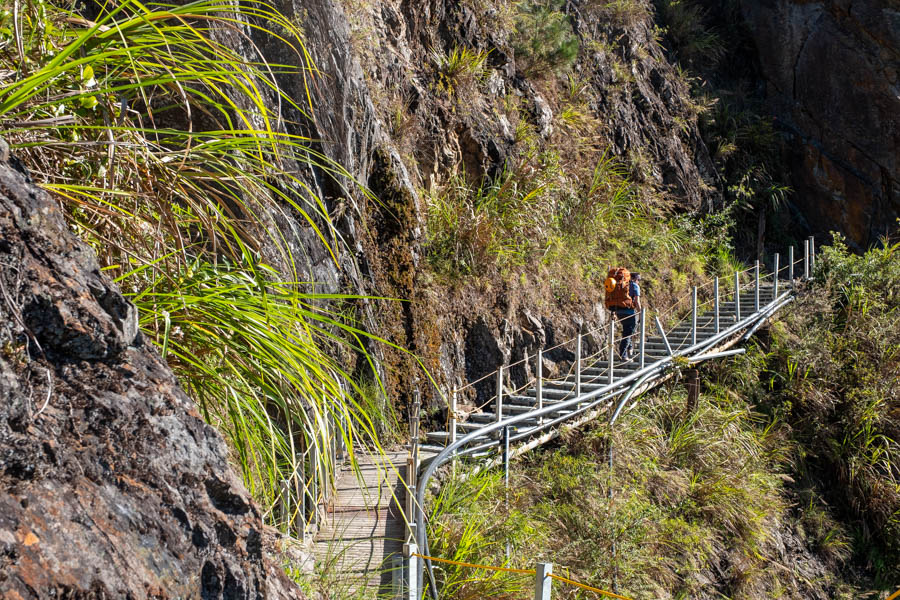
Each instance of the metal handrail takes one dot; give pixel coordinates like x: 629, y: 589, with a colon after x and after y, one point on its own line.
x: 596, y: 395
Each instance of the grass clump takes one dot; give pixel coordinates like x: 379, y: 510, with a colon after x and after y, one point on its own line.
x: 543, y: 39
x: 830, y: 370
x: 460, y: 70
x: 623, y: 13
x: 696, y: 502
x: 169, y: 153
x: 689, y: 36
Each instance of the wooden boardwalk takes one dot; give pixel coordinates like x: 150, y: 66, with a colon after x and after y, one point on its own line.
x: 364, y: 526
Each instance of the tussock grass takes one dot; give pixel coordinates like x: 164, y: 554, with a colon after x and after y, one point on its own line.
x: 460, y: 69
x: 692, y: 495
x: 829, y: 370
x: 168, y: 150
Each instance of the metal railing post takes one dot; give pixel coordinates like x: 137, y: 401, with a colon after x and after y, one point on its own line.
x: 775, y: 277
x: 643, y: 336
x: 506, y: 462
x: 578, y: 366
x: 662, y: 332
x: 756, y: 289
x: 737, y: 297
x: 314, y: 465
x: 791, y: 266
x: 543, y: 583
x: 300, y: 491
x: 812, y: 255
x: 453, y: 401
x: 500, y: 394
x: 286, y: 504
x: 694, y: 316
x: 612, y: 346
x: 412, y: 572
x: 540, y: 382
x: 805, y: 260
x: 715, y: 304
x: 397, y: 577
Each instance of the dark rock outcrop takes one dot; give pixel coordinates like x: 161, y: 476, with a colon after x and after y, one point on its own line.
x: 111, y: 484
x: 833, y: 72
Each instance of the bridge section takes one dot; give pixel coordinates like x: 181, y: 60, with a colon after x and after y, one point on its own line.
x: 600, y: 385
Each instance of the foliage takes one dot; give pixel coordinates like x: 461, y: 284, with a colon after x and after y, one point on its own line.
x: 168, y: 150
x: 543, y: 38
x: 249, y: 348
x: 459, y: 69
x: 623, y: 13
x: 831, y: 372
x: 463, y: 527
x: 691, y: 39
x: 691, y: 494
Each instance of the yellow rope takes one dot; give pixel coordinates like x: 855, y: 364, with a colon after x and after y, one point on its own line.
x: 589, y: 588
x: 533, y: 572
x: 895, y: 595
x: 464, y: 564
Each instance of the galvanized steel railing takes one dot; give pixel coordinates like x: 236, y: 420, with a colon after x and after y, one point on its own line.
x: 583, y: 397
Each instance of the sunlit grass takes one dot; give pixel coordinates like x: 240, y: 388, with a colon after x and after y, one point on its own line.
x: 169, y: 150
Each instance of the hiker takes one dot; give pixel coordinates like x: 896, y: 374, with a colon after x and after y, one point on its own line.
x: 623, y: 298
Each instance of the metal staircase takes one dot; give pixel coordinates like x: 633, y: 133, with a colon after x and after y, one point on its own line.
x: 599, y: 385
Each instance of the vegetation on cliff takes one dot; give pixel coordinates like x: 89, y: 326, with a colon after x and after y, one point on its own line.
x: 167, y: 148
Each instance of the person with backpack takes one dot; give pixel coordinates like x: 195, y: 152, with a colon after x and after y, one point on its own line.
x: 623, y: 299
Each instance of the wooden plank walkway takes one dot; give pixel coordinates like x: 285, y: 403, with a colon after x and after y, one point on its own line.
x: 364, y: 525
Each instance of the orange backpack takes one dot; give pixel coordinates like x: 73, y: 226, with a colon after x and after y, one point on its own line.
x: 616, y: 283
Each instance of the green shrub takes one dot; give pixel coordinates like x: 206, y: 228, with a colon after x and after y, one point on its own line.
x: 543, y: 39
x: 692, y: 41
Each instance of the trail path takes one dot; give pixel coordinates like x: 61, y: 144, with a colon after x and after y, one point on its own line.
x: 364, y: 525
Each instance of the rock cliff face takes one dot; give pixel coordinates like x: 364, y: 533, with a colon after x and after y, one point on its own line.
x: 111, y: 485
x: 833, y: 72
x: 388, y: 112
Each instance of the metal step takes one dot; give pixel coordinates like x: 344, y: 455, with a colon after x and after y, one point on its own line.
x: 438, y: 437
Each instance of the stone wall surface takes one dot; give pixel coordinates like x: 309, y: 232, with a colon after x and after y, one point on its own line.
x: 111, y: 484
x: 833, y: 73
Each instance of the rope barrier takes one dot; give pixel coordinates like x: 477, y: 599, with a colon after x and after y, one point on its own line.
x: 530, y: 572
x: 474, y: 566
x: 587, y: 587
x: 894, y: 595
